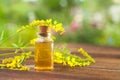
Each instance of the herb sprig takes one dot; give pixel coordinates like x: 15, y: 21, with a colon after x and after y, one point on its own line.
x: 63, y: 55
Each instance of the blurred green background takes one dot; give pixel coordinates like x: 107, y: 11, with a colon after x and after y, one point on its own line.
x: 85, y: 21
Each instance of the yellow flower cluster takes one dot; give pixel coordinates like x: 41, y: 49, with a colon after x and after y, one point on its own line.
x: 52, y: 24
x: 71, y: 60
x: 65, y: 57
x: 16, y: 62
x: 85, y: 54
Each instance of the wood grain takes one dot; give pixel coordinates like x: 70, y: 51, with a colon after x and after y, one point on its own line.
x: 107, y: 67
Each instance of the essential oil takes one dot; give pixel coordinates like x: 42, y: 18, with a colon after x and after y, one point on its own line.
x: 44, y: 50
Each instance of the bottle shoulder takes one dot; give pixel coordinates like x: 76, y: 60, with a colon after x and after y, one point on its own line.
x: 44, y: 40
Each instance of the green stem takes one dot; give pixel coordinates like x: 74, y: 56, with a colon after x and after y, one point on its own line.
x: 6, y: 54
x: 23, y: 59
x: 17, y: 48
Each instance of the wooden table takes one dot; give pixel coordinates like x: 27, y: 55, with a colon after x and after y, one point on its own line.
x: 107, y: 67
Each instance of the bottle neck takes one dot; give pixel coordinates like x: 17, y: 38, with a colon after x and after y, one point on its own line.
x: 44, y: 35
x: 44, y: 38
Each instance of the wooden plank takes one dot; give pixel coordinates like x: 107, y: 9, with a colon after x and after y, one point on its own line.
x: 61, y: 73
x: 107, y: 67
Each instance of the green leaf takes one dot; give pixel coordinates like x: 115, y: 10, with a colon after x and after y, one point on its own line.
x: 1, y: 36
x: 15, y: 45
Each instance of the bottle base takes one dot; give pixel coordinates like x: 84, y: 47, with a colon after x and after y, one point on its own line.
x: 43, y: 68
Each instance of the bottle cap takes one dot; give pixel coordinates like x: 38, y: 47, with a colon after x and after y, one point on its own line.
x: 44, y: 29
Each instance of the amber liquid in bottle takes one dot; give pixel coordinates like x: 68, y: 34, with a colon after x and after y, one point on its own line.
x: 44, y: 53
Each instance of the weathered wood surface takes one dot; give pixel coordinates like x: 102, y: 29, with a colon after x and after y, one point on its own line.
x: 107, y: 67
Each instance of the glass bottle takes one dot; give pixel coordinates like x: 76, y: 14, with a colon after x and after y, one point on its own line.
x: 44, y: 50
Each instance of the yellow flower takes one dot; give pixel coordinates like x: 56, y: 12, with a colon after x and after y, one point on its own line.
x: 80, y: 50
x: 33, y: 41
x: 2, y: 65
x: 52, y: 24
x: 48, y: 21
x: 85, y: 54
x: 24, y: 68
x: 55, y: 22
x: 8, y: 65
x: 28, y: 54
